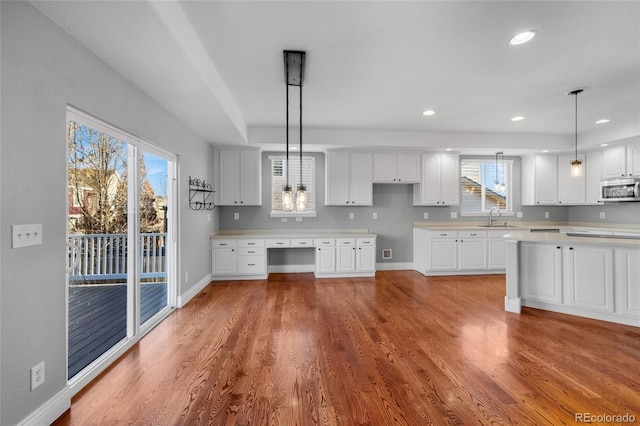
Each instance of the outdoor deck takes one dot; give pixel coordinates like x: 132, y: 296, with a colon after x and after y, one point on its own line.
x: 97, y: 318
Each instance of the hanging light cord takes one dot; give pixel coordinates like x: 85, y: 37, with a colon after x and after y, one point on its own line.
x: 576, y: 123
x: 301, y: 131
x: 287, y: 92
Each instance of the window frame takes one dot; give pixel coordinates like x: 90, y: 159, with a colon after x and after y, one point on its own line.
x: 311, y: 186
x: 509, y: 180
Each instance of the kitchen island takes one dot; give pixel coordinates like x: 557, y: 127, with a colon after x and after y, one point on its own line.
x: 590, y: 273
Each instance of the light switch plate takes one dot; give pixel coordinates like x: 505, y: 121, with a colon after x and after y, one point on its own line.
x: 602, y: 215
x: 298, y: 218
x: 454, y: 215
x: 546, y: 215
x: 519, y: 215
x: 426, y: 215
x: 26, y: 235
x: 351, y: 215
x: 375, y: 215
x: 236, y: 215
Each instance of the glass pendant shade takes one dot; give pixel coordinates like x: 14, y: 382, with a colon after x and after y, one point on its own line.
x: 301, y: 199
x: 576, y: 168
x: 287, y: 198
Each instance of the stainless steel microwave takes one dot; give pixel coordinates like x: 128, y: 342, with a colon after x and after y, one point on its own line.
x: 627, y: 189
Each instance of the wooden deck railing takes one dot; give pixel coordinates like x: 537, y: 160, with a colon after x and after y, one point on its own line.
x: 104, y: 256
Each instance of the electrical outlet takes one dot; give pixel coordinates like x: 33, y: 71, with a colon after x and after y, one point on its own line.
x: 284, y: 219
x: 602, y: 215
x: 375, y: 215
x: 186, y: 277
x: 298, y: 218
x: 236, y: 215
x: 351, y: 215
x: 519, y: 215
x: 37, y: 375
x: 454, y: 215
x: 209, y: 217
x: 26, y: 235
x: 426, y: 215
x: 546, y: 215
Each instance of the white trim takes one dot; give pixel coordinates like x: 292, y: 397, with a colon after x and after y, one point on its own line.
x: 293, y: 214
x: 193, y: 291
x: 48, y: 412
x: 585, y: 313
x: 292, y: 269
x: 512, y: 305
x: 395, y: 266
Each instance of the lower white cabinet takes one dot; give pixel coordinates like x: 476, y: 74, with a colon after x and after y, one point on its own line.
x: 541, y: 272
x: 223, y: 257
x: 497, y: 250
x: 366, y: 255
x: 325, y: 256
x: 588, y: 277
x: 252, y: 257
x: 472, y: 250
x: 347, y: 257
x: 627, y: 280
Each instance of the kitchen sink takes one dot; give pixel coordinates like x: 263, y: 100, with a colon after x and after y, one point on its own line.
x: 499, y: 226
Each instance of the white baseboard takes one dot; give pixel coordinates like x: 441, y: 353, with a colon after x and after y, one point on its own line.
x: 291, y: 269
x: 512, y: 305
x: 394, y: 266
x: 48, y: 412
x: 184, y: 298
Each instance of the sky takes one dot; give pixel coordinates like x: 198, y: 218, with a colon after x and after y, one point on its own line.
x: 157, y: 173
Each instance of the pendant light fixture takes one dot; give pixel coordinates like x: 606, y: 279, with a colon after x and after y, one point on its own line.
x: 287, y: 194
x: 498, y: 183
x: 576, y: 164
x: 294, y: 76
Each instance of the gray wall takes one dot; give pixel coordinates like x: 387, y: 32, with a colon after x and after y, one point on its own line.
x: 43, y: 70
x: 392, y: 202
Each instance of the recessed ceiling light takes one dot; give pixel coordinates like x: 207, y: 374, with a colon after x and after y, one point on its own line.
x: 522, y: 37
x: 517, y: 118
x: 448, y: 149
x: 602, y: 121
x: 604, y: 144
x: 294, y: 148
x: 545, y: 150
x: 429, y: 112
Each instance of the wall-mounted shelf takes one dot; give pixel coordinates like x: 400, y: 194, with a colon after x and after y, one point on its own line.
x: 199, y: 193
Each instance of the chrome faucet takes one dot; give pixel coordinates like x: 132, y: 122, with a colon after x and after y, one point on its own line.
x: 491, y: 219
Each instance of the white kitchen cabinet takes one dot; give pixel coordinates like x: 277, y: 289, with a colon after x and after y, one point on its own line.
x: 497, y: 250
x: 621, y: 161
x: 443, y: 251
x: 472, y: 250
x: 541, y: 272
x: 588, y: 277
x: 572, y: 190
x: 240, y: 177
x: 627, y: 282
x: 325, y: 256
x: 439, y: 182
x: 252, y: 257
x: 396, y: 167
x: 539, y: 180
x: 366, y: 255
x: 593, y: 173
x: 633, y: 160
x: 223, y: 257
x: 348, y: 178
x: 345, y: 255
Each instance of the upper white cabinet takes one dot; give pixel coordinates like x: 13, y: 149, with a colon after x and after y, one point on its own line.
x: 593, y: 177
x: 571, y: 189
x: 396, y: 167
x: 621, y: 161
x: 349, y: 178
x: 440, y: 181
x: 539, y: 179
x: 240, y: 177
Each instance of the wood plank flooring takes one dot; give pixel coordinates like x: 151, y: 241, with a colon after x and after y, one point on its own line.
x: 397, y: 349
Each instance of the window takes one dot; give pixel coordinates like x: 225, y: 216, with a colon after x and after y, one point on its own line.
x: 485, y: 185
x: 279, y: 180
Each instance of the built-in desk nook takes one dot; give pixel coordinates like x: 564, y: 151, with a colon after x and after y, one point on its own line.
x: 244, y: 255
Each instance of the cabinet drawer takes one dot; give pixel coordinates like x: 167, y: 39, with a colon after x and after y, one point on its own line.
x: 250, y: 243
x: 325, y: 242
x: 223, y: 243
x: 472, y: 234
x: 302, y: 242
x: 443, y: 234
x: 341, y: 242
x: 363, y: 242
x: 248, y: 251
x: 279, y: 243
x: 251, y: 265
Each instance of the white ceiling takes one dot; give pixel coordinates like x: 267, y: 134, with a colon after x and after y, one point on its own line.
x: 373, y: 67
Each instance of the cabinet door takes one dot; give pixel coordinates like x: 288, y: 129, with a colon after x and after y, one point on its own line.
x: 325, y: 260
x: 497, y: 253
x: 385, y: 167
x: 346, y: 259
x: 361, y: 176
x: 541, y: 284
x: 229, y: 176
x: 366, y: 259
x: 593, y: 167
x: 627, y: 282
x: 337, y: 169
x: 633, y: 160
x: 614, y: 162
x: 571, y: 190
x: 250, y: 178
x: 450, y: 179
x: 408, y: 168
x: 473, y: 253
x: 546, y: 180
x: 588, y: 278
x: 428, y: 191
x: 443, y: 254
x: 223, y: 261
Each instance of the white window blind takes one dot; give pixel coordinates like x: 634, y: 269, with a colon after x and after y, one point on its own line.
x: 485, y: 185
x: 279, y: 180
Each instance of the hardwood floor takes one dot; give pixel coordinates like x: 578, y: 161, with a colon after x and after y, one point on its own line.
x: 396, y: 349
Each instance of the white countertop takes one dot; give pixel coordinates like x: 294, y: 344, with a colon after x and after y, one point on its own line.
x: 288, y: 233
x: 563, y: 238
